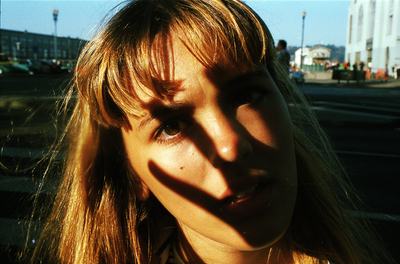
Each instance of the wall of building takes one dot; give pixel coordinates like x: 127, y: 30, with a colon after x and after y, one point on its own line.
x: 312, y: 55
x: 298, y: 54
x: 26, y: 45
x: 373, y: 33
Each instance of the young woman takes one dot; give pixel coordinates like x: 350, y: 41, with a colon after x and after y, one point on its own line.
x: 188, y: 144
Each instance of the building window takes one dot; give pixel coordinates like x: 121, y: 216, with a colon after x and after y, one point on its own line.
x: 390, y: 22
x: 358, y: 57
x: 387, y: 56
x: 6, y: 50
x: 360, y: 23
x: 350, y: 28
x: 372, y: 19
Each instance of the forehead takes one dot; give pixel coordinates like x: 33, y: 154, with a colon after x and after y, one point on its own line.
x: 174, y: 65
x: 175, y: 56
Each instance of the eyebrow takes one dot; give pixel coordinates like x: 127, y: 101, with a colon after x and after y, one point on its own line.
x: 162, y: 110
x: 248, y: 77
x: 165, y: 110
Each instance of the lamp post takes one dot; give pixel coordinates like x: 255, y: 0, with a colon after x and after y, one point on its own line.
x: 302, y: 38
x: 55, y: 14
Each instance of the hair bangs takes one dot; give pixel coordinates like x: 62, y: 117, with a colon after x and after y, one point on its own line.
x: 128, y: 58
x: 221, y: 34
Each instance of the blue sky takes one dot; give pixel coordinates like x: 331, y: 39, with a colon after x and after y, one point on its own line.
x: 325, y: 22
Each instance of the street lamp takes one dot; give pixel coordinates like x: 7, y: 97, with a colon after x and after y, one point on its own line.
x: 55, y: 14
x: 302, y: 38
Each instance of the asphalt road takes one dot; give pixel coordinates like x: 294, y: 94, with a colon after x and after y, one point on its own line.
x: 364, y: 126
x: 363, y: 123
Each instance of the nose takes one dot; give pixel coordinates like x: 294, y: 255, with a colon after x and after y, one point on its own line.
x: 229, y: 141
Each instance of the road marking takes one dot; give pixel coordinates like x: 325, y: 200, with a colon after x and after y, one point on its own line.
x: 28, y: 153
x: 14, y: 232
x: 28, y: 185
x: 376, y: 216
x: 386, y: 107
x: 367, y: 154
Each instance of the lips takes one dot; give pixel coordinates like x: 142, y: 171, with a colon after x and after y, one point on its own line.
x: 242, y: 196
x: 248, y: 202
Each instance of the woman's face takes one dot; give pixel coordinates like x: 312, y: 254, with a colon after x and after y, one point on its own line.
x: 218, y: 154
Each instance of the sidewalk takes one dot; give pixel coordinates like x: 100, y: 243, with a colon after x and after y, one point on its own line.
x: 325, y: 79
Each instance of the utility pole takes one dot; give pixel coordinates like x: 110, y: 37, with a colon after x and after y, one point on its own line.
x: 55, y: 14
x: 302, y: 39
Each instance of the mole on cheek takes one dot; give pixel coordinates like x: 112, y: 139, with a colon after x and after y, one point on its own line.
x: 181, y: 168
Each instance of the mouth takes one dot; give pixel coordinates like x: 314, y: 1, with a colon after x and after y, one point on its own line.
x: 250, y: 201
x: 242, y: 196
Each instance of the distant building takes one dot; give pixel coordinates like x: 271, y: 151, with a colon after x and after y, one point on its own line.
x: 373, y: 33
x: 313, y: 56
x: 26, y: 45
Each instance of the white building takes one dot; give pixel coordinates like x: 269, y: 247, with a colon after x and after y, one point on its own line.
x: 313, y: 56
x: 373, y: 33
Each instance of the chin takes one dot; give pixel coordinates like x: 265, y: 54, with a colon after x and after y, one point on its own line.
x: 257, y: 239
x: 260, y: 242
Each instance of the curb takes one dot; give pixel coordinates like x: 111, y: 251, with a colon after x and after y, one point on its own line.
x: 391, y: 84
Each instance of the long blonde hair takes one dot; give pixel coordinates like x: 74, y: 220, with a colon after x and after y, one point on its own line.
x: 97, y: 216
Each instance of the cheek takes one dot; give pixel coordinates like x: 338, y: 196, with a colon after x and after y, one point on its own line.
x: 270, y: 126
x: 183, y: 162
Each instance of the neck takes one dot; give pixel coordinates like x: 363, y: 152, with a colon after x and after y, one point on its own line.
x: 196, y: 251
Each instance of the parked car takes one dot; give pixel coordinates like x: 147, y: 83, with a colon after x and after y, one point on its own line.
x: 7, y: 68
x: 47, y: 66
x: 297, y: 76
x: 4, y: 64
x: 54, y: 68
x: 69, y: 68
x: 28, y: 66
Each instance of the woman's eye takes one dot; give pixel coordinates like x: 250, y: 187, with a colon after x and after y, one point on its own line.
x: 172, y: 128
x: 170, y: 131
x: 247, y: 97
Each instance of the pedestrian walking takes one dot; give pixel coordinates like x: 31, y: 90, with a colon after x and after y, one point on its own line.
x: 386, y: 74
